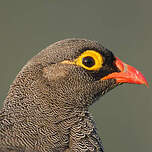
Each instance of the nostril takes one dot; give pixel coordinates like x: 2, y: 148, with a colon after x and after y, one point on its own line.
x: 119, y: 64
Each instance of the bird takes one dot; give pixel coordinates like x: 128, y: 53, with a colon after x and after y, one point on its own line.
x: 46, y: 109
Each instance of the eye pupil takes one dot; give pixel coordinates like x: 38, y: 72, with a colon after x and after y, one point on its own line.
x: 88, y: 61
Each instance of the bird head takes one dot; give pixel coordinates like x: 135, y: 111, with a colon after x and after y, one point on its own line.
x: 75, y: 72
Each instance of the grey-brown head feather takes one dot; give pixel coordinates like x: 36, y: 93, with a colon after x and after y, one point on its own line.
x: 46, y: 94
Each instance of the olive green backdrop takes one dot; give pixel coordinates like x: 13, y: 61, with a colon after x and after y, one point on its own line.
x: 123, y: 116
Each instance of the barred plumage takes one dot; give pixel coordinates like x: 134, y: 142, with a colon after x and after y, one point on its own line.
x: 46, y: 109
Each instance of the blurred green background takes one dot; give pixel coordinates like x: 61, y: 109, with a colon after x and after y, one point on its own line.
x: 123, y: 116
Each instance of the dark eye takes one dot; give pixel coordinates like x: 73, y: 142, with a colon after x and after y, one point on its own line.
x: 88, y: 61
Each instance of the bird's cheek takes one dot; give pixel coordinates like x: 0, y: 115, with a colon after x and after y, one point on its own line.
x: 55, y: 72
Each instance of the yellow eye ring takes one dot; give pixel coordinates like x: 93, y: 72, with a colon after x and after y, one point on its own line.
x: 90, y: 60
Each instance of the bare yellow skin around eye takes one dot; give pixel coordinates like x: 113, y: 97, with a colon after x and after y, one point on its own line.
x: 91, y: 53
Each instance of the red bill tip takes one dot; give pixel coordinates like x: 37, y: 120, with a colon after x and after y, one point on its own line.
x: 127, y: 74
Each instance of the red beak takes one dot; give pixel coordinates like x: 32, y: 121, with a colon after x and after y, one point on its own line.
x: 127, y: 74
